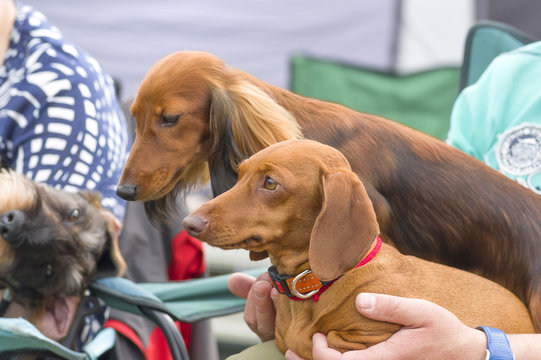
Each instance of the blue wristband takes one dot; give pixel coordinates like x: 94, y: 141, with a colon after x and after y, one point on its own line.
x: 497, y: 344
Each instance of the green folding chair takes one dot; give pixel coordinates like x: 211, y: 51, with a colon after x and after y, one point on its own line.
x: 163, y: 303
x: 485, y: 41
x: 19, y: 336
x: 421, y: 100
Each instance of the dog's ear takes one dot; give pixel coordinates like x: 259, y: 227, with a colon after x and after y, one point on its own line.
x: 111, y: 262
x: 243, y: 120
x: 93, y: 197
x: 345, y: 228
x: 224, y: 155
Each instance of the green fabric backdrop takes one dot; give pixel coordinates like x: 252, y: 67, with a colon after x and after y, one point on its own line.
x: 422, y: 100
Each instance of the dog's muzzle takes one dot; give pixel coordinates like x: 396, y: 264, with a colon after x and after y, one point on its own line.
x: 11, y: 224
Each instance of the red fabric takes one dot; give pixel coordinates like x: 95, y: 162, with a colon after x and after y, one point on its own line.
x: 127, y: 332
x: 187, y: 262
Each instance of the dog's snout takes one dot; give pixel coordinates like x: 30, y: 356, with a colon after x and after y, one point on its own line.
x: 194, y: 225
x: 11, y: 223
x: 127, y: 192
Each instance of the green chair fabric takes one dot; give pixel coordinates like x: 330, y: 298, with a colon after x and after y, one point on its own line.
x: 200, y: 299
x: 484, y: 42
x: 421, y: 100
x: 18, y: 336
x: 103, y: 342
x: 187, y: 301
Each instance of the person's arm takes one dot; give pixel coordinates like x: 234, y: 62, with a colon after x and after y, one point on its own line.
x: 260, y: 310
x: 429, y: 332
x: 70, y: 133
x: 525, y: 346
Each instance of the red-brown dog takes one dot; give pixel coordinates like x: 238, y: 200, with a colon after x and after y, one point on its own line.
x: 299, y: 201
x: 195, y: 113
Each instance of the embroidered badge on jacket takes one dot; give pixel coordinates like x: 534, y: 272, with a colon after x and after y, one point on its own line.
x: 518, y: 151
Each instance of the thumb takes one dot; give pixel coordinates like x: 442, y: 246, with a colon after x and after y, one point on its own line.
x: 240, y: 284
x: 404, y: 311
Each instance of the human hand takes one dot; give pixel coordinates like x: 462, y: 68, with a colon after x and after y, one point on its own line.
x: 260, y: 310
x: 429, y: 332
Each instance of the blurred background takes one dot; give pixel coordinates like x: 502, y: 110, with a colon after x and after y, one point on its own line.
x: 260, y: 37
x: 400, y: 59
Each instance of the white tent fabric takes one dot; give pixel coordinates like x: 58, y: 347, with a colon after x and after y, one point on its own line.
x: 128, y: 36
x: 432, y: 33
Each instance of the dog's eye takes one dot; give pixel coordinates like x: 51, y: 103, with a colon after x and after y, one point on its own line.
x: 74, y: 214
x: 270, y: 184
x: 169, y: 120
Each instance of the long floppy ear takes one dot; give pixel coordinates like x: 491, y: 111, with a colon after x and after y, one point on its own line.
x: 345, y: 227
x: 243, y: 120
x: 225, y: 154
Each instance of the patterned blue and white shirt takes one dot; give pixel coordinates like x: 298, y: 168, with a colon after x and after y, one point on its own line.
x: 60, y: 122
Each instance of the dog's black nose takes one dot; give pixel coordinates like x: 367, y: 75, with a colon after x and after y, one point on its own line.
x: 194, y: 225
x: 11, y: 224
x: 127, y: 192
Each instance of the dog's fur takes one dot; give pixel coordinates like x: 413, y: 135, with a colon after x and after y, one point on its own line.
x: 318, y: 216
x: 194, y: 113
x: 52, y: 243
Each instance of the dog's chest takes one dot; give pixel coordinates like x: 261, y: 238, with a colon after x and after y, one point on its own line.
x: 295, y: 325
x: 298, y: 320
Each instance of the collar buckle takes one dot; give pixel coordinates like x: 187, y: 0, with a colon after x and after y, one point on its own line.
x: 294, y: 286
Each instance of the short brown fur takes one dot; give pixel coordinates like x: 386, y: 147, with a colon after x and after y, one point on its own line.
x: 431, y: 200
x: 318, y: 216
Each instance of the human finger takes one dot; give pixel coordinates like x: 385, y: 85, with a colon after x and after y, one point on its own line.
x: 290, y: 355
x: 321, y: 349
x: 265, y: 310
x: 240, y: 284
x: 404, y: 311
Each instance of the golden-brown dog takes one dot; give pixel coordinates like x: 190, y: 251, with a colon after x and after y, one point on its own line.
x: 52, y: 243
x: 299, y: 201
x: 194, y: 114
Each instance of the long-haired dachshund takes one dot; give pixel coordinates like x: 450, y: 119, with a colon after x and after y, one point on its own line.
x: 52, y: 244
x: 299, y: 201
x: 195, y: 114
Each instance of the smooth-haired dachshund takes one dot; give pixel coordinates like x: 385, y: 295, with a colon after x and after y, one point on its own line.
x: 299, y: 201
x: 52, y: 244
x: 199, y: 118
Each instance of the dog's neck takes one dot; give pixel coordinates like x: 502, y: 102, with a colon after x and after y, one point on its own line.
x: 306, y: 285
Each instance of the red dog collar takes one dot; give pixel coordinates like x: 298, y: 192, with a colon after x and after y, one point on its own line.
x: 306, y: 285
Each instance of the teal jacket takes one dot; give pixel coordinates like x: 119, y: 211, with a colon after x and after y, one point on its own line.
x: 498, y: 119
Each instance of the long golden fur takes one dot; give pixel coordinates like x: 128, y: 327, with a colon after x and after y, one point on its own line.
x: 197, y: 116
x: 299, y: 201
